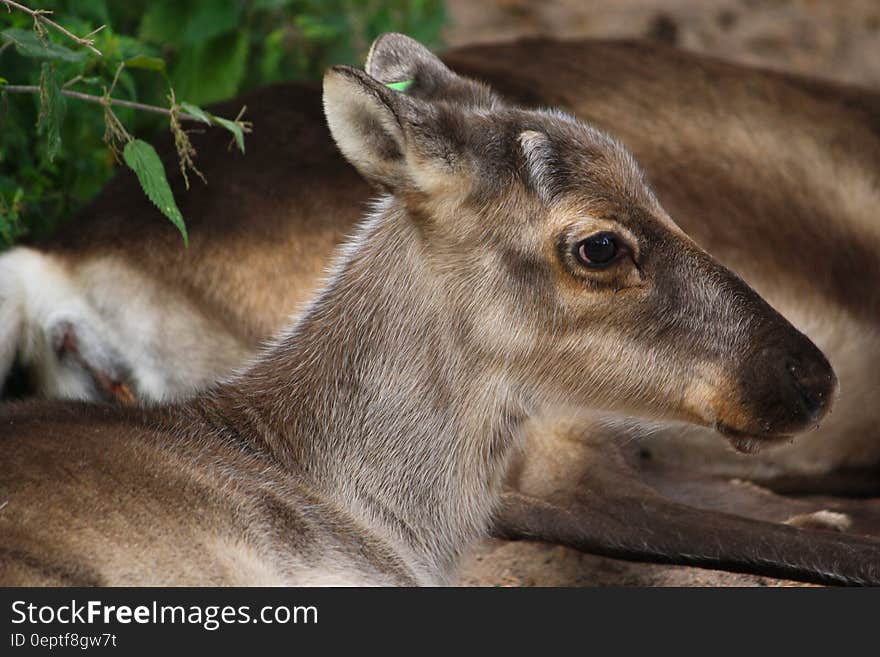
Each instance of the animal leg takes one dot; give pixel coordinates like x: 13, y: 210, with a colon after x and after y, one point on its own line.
x: 585, y: 494
x: 76, y: 342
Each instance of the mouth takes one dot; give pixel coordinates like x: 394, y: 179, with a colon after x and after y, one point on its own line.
x: 749, y: 443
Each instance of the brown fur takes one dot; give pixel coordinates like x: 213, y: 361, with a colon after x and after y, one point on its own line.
x: 219, y: 293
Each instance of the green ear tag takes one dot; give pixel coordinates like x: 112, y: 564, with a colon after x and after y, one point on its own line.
x: 403, y: 85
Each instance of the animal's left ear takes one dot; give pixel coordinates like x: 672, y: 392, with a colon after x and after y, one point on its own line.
x: 406, y: 66
x: 395, y: 141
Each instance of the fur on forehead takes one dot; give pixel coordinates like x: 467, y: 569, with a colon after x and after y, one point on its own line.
x: 552, y: 154
x: 562, y: 155
x: 410, y: 145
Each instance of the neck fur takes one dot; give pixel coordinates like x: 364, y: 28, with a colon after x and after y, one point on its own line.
x: 372, y: 398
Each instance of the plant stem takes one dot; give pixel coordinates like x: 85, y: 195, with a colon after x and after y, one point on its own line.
x: 99, y: 100
x: 39, y: 15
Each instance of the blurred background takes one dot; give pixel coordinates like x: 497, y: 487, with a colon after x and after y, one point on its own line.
x: 210, y: 50
x: 838, y: 39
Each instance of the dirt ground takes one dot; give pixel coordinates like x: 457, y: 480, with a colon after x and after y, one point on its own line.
x: 501, y: 563
x: 838, y: 40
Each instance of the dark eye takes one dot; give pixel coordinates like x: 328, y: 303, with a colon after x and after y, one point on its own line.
x: 596, y: 250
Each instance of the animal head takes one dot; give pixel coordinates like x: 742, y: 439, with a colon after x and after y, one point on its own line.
x: 558, y: 262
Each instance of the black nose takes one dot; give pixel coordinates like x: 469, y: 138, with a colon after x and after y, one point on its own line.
x: 812, y: 381
x: 790, y: 385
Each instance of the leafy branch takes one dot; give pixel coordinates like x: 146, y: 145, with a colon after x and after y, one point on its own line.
x: 138, y: 155
x: 39, y: 16
x: 102, y: 100
x: 210, y: 50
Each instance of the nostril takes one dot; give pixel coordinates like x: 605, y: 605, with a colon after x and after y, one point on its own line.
x: 813, y: 400
x: 813, y: 390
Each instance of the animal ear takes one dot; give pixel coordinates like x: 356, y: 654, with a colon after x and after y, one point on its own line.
x: 406, y: 66
x: 399, y: 142
x: 365, y: 120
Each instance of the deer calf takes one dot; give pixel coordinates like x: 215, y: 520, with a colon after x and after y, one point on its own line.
x: 519, y: 264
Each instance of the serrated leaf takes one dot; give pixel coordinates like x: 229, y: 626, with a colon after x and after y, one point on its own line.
x: 233, y: 127
x: 197, y: 112
x: 53, y: 107
x: 144, y: 62
x: 28, y: 45
x: 144, y: 161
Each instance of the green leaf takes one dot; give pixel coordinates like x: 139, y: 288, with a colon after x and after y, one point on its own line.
x: 28, y: 45
x: 320, y: 28
x: 212, y: 71
x: 144, y: 161
x: 272, y: 57
x: 148, y: 63
x: 126, y: 47
x: 52, y: 109
x: 95, y: 9
x: 212, y: 18
x: 205, y: 117
x: 197, y: 112
x: 164, y: 21
x: 260, y: 5
x: 233, y: 127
